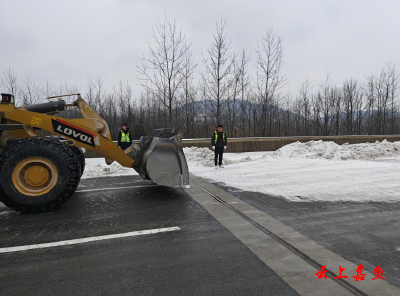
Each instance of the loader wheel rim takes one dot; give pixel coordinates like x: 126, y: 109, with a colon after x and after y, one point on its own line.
x: 35, y: 176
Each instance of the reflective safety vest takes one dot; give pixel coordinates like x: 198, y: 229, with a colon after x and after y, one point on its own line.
x: 216, y: 137
x: 125, y: 137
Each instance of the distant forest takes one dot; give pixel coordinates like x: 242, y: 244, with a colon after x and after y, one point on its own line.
x: 174, y: 93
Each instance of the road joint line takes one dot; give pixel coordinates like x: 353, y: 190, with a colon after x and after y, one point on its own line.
x: 115, y: 188
x: 295, y: 250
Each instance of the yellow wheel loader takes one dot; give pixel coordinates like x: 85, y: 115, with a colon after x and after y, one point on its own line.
x: 38, y: 174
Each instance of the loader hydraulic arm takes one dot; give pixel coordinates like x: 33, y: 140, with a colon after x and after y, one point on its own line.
x: 82, y: 131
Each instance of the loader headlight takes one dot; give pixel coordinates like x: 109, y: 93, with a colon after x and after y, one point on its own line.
x: 7, y: 98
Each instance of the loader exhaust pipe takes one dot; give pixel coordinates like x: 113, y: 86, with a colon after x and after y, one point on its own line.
x: 47, y: 107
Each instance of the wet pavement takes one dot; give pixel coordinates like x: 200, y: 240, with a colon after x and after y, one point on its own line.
x: 363, y: 233
x: 227, y: 243
x: 202, y: 258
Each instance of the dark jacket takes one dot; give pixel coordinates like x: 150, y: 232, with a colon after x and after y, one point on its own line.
x: 124, y: 145
x: 222, y: 139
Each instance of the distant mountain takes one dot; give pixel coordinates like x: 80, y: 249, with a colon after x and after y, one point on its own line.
x: 204, y: 106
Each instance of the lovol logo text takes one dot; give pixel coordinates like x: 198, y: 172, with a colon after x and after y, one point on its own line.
x: 72, y: 132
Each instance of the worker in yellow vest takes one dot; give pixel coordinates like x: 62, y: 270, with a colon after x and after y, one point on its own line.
x: 124, y: 137
x: 218, y: 143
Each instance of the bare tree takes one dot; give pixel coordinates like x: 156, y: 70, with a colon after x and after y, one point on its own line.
x: 188, y: 91
x: 381, y: 92
x: 48, y: 89
x: 231, y: 107
x: 390, y: 85
x: 269, y: 80
x: 124, y: 96
x: 393, y: 81
x: 29, y: 93
x: 302, y: 109
x: 326, y: 100
x: 9, y: 81
x: 352, y: 105
x: 161, y: 72
x: 244, y: 90
x: 218, y: 69
x: 239, y: 84
x: 370, y: 103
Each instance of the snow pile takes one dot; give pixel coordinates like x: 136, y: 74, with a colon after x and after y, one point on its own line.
x: 333, y: 151
x: 205, y: 157
x: 313, y: 171
x: 199, y: 156
x: 310, y: 150
x: 97, y: 167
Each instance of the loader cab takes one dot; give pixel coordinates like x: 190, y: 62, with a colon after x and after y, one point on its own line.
x: 7, y: 99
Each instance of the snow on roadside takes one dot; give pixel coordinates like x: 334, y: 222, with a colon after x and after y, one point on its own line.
x: 331, y: 150
x: 97, y: 167
x: 313, y: 171
x: 205, y: 157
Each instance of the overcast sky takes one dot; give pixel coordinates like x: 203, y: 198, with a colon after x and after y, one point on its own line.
x: 69, y: 41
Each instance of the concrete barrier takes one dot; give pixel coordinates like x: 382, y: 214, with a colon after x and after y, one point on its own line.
x: 273, y: 143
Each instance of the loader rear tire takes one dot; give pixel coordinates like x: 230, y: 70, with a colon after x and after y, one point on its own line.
x: 38, y: 175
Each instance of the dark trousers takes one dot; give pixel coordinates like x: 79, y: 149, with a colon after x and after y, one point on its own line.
x: 125, y: 145
x: 218, y: 152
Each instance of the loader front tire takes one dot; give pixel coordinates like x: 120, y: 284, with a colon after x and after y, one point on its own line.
x: 80, y: 157
x: 38, y: 175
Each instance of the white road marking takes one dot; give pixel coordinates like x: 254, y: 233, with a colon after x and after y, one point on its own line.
x: 87, y: 240
x: 114, y: 188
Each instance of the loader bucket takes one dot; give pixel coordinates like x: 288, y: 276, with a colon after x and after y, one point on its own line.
x: 160, y: 157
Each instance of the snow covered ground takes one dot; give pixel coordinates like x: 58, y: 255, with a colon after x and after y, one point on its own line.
x: 313, y: 171
x: 97, y: 167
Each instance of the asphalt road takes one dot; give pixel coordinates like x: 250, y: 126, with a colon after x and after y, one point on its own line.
x: 216, y: 251
x: 202, y: 258
x: 363, y: 233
